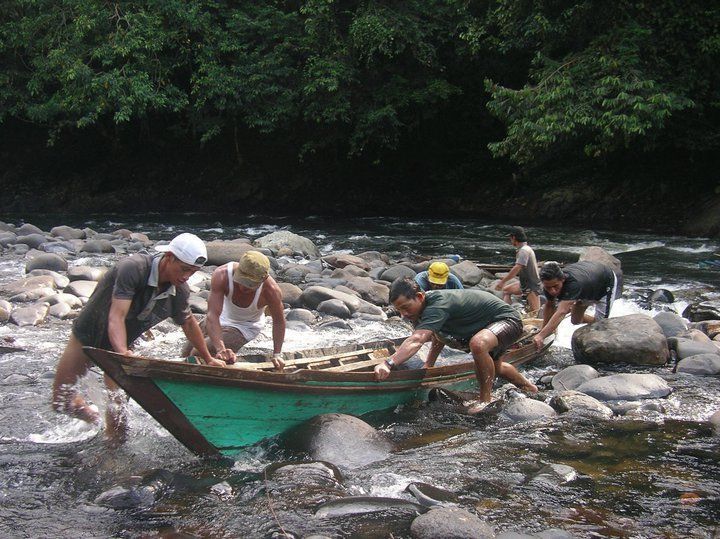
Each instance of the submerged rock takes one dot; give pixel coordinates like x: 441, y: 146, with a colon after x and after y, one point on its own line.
x: 573, y: 376
x: 524, y: 409
x: 626, y: 387
x: 580, y: 404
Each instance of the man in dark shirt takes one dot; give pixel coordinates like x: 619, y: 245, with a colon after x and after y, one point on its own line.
x: 137, y: 293
x: 472, y: 320
x: 572, y: 290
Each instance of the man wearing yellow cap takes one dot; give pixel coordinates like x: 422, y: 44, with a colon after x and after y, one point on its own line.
x: 239, y: 294
x: 437, y: 277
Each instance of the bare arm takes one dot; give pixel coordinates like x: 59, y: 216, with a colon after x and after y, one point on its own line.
x: 406, y: 350
x: 195, y: 335
x: 275, y: 306
x: 512, y: 273
x: 117, y: 333
x: 552, y: 317
x: 435, y: 349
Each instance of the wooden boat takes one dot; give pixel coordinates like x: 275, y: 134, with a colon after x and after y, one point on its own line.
x: 216, y: 411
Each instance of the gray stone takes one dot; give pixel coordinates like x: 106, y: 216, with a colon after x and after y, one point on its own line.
x: 344, y: 260
x: 81, y: 289
x: 68, y: 233
x: 670, y: 323
x: 284, y: 238
x: 348, y: 272
x: 344, y: 440
x: 86, y: 273
x: 450, y: 523
x: 523, y: 409
x: 97, y: 246
x: 62, y: 311
x: 396, y: 272
x: 580, y: 404
x: 334, y: 307
x: 32, y: 295
x: 60, y: 280
x: 554, y: 475
x: 715, y: 421
x: 47, y: 261
x: 28, y: 228
x: 222, y: 252
x: 7, y: 238
x: 635, y: 339
x: 312, y: 296
x: 573, y: 376
x: 31, y: 240
x: 61, y: 297
x: 703, y: 364
x: 369, y: 290
x: 373, y: 257
x: 291, y: 294
x: 29, y: 283
x: 197, y: 304
x: 626, y: 386
x: 31, y: 315
x: 705, y: 310
x: 687, y: 347
x: 598, y: 254
x: 301, y: 315
x: 60, y: 248
x: 467, y: 272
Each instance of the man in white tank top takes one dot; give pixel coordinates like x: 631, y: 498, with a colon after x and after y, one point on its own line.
x: 239, y: 293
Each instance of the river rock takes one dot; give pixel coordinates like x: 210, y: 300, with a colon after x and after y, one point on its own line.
x: 197, y: 304
x: 7, y: 238
x: 661, y: 295
x: 334, y: 307
x: 60, y: 248
x: 68, y: 233
x: 62, y: 311
x: 61, y: 297
x: 301, y: 315
x: 344, y: 440
x: 429, y: 495
x: 312, y: 296
x: 450, y: 523
x: 5, y: 310
x: 705, y: 310
x: 369, y: 290
x: 554, y: 475
x: 670, y: 323
x: 694, y: 335
x: 291, y: 294
x: 222, y: 252
x: 31, y: 315
x: 86, y: 273
x: 60, y: 280
x: 715, y: 421
x: 598, y: 254
x: 97, y: 246
x: 28, y: 228
x: 580, y: 404
x: 635, y: 339
x: 468, y: 272
x: 27, y: 284
x: 524, y: 409
x: 573, y: 376
x: 702, y: 364
x: 683, y: 348
x: 47, y: 261
x: 31, y: 240
x: 348, y: 272
x: 343, y: 260
x: 375, y: 258
x: 396, y: 272
x: 296, y: 273
x: 284, y: 238
x: 139, y: 237
x: 81, y: 289
x: 626, y: 386
x: 32, y: 295
x: 142, y: 496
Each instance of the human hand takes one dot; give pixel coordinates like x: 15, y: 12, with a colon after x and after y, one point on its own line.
x: 278, y: 361
x: 539, y: 341
x: 227, y: 355
x: 499, y: 285
x: 215, y: 362
x: 382, y: 371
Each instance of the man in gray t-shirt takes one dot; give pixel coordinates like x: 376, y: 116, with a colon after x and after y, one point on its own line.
x: 525, y: 268
x: 468, y: 319
x: 137, y: 293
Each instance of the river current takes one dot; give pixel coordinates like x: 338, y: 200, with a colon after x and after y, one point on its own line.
x: 655, y: 475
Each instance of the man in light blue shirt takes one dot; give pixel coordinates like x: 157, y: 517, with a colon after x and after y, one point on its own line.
x: 438, y: 277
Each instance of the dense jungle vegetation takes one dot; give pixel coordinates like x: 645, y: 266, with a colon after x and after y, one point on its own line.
x: 556, y: 109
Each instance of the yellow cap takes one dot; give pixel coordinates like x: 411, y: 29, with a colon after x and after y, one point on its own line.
x: 438, y: 273
x: 252, y: 269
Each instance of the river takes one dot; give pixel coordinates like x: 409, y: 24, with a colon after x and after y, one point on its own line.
x: 656, y: 475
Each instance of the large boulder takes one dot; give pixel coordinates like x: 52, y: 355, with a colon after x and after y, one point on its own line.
x: 626, y: 387
x: 468, y: 272
x: 703, y: 364
x: 334, y: 307
x: 28, y: 228
x: 450, y: 523
x: 222, y: 252
x: 573, y: 376
x: 284, y: 238
x: 290, y: 294
x: 47, y: 261
x: 598, y: 254
x: 344, y: 440
x: 97, y: 246
x: 671, y: 324
x: 396, y: 272
x: 31, y: 240
x: 369, y: 290
x: 635, y: 339
x: 312, y: 296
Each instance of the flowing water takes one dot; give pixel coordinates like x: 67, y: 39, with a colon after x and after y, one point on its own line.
x: 654, y: 475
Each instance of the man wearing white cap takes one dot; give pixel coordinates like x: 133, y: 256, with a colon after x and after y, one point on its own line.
x: 137, y: 293
x: 239, y: 293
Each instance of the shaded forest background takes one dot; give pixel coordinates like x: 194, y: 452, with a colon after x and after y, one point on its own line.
x: 603, y: 112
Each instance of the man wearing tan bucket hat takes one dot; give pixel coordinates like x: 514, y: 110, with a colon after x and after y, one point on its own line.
x: 239, y: 294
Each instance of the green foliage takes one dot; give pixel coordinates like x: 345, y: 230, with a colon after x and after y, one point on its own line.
x: 604, y: 76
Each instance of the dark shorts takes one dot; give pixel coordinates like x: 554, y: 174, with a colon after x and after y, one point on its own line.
x: 507, y: 332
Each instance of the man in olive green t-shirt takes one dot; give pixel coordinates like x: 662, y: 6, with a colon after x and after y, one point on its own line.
x: 472, y: 320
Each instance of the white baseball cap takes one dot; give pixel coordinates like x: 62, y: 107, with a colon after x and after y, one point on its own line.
x: 187, y: 248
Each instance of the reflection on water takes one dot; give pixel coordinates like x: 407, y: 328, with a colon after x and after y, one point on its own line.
x: 655, y: 475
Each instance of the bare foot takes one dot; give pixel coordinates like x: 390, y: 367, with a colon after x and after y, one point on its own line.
x: 78, y: 408
x: 529, y: 388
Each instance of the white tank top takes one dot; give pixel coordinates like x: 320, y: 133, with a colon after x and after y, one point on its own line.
x: 248, y: 320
